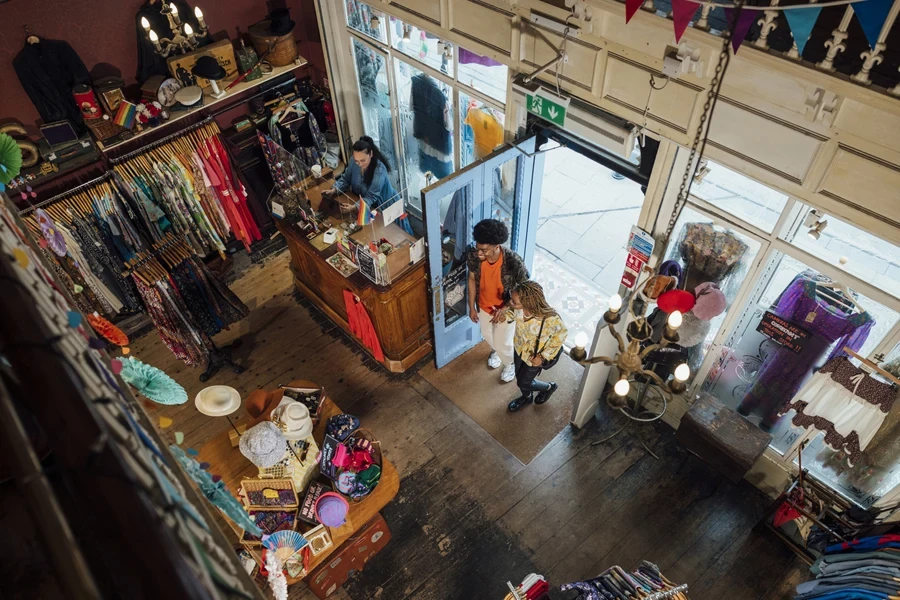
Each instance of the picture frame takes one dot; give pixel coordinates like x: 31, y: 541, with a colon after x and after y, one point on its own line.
x: 111, y: 99
x: 180, y: 66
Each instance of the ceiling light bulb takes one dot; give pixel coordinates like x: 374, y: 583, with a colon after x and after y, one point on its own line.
x: 188, y: 30
x: 675, y: 319
x: 198, y: 13
x: 581, y: 339
x: 145, y: 23
x: 621, y: 388
x: 153, y: 36
x: 615, y: 302
x: 173, y: 8
x: 682, y: 372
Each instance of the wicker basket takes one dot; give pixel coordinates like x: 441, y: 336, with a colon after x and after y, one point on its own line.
x: 283, y: 47
x: 376, y: 458
x: 247, y: 539
x: 258, y: 485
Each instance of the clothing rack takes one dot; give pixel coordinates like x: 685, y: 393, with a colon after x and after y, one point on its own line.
x: 66, y: 194
x: 868, y: 365
x: 161, y: 141
x: 153, y: 254
x: 667, y: 593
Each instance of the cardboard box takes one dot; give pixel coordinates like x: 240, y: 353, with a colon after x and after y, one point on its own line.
x: 180, y: 66
x: 352, y: 556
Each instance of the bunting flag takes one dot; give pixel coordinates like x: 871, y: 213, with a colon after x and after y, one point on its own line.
x: 872, y: 14
x: 683, y: 12
x: 631, y: 7
x: 740, y: 30
x: 801, y: 22
x: 363, y: 217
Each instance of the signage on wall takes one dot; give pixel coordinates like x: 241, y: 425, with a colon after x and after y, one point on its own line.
x: 640, y: 247
x: 782, y: 332
x: 547, y: 106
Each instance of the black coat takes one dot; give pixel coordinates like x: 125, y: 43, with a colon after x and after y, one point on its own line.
x: 48, y: 71
x: 149, y: 62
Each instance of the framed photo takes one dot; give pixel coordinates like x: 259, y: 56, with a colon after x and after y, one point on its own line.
x: 180, y: 66
x: 111, y: 99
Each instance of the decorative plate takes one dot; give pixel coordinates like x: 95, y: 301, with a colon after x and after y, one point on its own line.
x: 166, y: 93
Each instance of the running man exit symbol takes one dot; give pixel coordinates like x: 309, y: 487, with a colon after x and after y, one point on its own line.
x: 548, y: 106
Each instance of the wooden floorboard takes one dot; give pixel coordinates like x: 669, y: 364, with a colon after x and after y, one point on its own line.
x: 469, y: 515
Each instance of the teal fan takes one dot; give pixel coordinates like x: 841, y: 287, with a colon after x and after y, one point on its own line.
x: 10, y: 160
x: 284, y: 543
x: 152, y: 382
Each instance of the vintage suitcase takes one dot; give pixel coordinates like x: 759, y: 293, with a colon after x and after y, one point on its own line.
x: 352, y: 556
x: 721, y: 437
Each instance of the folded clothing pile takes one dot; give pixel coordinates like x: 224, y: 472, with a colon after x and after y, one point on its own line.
x: 864, y: 569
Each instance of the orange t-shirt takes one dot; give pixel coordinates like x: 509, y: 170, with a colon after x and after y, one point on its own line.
x: 490, y: 286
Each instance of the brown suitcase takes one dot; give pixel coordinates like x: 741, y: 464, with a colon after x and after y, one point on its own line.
x: 352, y: 556
x: 721, y: 437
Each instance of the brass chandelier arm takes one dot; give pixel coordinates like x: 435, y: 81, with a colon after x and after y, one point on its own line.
x: 619, y: 339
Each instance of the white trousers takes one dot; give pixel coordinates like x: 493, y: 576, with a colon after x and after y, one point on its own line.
x: 499, y: 336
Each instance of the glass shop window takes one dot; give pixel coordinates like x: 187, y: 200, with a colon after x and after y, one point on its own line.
x: 483, y: 74
x: 759, y: 378
x: 867, y: 256
x: 375, y: 102
x: 426, y: 128
x: 711, y: 262
x: 739, y: 195
x: 423, y: 46
x: 481, y: 129
x: 366, y: 20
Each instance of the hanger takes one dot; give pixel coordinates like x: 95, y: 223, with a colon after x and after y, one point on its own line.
x: 846, y: 299
x: 30, y: 38
x: 868, y: 365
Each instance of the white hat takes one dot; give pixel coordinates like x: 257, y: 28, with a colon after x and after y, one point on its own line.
x: 218, y: 400
x: 263, y: 444
x: 295, y: 421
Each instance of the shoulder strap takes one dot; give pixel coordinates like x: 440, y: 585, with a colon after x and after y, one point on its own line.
x: 538, y: 339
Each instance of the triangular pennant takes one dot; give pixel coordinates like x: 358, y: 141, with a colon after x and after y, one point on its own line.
x: 631, y: 7
x: 739, y: 31
x: 801, y: 21
x: 683, y: 12
x: 872, y: 15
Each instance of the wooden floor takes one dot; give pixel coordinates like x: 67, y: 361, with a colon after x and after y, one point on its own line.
x: 469, y: 515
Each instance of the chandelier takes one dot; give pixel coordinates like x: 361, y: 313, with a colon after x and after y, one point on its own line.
x: 184, y: 38
x: 629, y: 360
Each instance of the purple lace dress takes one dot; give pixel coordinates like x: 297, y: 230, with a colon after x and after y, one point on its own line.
x: 783, y: 371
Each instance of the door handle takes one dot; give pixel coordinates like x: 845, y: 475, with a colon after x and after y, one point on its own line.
x: 437, y: 302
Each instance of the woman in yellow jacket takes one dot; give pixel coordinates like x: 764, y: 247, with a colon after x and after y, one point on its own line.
x: 540, y: 334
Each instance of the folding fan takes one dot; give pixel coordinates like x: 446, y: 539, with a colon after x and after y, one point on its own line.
x: 285, y: 543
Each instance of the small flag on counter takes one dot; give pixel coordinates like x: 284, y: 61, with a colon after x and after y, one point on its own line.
x: 125, y: 114
x: 363, y: 217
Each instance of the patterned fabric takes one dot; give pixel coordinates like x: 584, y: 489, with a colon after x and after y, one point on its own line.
x: 512, y: 273
x: 713, y: 254
x: 784, y: 371
x: 553, y: 336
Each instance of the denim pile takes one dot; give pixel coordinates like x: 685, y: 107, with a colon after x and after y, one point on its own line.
x: 864, y: 569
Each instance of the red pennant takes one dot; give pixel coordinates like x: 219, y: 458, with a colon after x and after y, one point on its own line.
x: 631, y: 7
x: 739, y: 31
x: 683, y: 12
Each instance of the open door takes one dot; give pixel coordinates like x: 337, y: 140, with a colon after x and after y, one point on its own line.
x: 499, y: 186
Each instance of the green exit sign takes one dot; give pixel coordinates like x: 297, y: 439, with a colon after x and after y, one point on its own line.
x: 547, y: 106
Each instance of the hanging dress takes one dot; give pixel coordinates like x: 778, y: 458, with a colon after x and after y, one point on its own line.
x: 784, y: 371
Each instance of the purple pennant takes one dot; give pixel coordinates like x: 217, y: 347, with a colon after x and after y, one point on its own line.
x: 216, y: 478
x: 740, y: 30
x: 96, y: 343
x: 204, y: 466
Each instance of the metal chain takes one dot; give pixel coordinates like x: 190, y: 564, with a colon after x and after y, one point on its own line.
x: 699, y: 143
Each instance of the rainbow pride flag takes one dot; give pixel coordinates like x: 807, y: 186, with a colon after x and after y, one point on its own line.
x: 363, y: 217
x: 125, y: 114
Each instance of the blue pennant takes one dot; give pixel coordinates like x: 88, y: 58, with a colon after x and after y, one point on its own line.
x: 801, y: 21
x: 872, y: 15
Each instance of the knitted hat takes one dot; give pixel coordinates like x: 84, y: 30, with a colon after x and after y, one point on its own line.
x: 673, y: 300
x: 710, y: 303
x: 263, y: 444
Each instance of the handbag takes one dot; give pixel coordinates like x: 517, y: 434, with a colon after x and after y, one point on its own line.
x: 547, y: 364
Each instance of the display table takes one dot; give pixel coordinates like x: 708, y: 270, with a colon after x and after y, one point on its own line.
x: 228, y: 462
x: 399, y: 311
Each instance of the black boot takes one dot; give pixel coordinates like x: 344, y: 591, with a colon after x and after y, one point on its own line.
x: 519, y: 402
x: 545, y: 395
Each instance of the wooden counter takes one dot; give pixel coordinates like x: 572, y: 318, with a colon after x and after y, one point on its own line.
x: 233, y: 467
x: 399, y: 311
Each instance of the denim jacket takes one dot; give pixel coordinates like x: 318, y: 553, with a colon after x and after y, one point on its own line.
x: 379, y: 192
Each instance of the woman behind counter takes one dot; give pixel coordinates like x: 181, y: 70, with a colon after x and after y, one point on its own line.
x: 366, y: 176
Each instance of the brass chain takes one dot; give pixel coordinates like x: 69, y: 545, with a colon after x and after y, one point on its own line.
x: 699, y: 143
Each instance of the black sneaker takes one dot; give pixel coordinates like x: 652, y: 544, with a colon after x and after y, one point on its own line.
x: 519, y: 403
x: 544, y: 396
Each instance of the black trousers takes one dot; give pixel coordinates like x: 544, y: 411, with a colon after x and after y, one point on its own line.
x: 526, y: 377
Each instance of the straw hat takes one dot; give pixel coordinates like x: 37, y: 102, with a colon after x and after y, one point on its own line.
x: 218, y: 400
x: 263, y: 444
x: 295, y: 421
